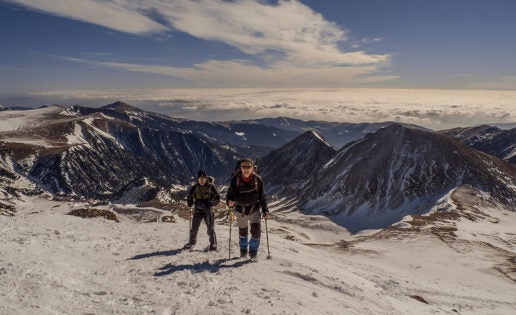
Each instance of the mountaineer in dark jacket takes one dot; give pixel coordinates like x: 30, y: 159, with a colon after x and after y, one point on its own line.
x: 247, y: 195
x: 203, y: 196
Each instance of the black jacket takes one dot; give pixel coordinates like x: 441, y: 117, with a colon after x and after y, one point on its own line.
x: 249, y: 196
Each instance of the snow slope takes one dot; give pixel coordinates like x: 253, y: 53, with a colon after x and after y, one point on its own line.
x: 52, y: 263
x: 16, y: 119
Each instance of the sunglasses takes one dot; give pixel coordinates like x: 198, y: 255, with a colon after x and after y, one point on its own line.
x: 246, y: 166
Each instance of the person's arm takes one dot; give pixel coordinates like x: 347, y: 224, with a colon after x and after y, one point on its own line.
x: 262, y: 199
x: 189, y: 199
x: 215, y: 198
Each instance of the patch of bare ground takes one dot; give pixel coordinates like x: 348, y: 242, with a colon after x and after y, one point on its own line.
x: 175, y: 207
x: 92, y: 213
x: 508, y: 266
x: 348, y: 247
x: 442, y: 224
x: 469, y: 201
x: 139, y: 214
x: 183, y: 211
x: 6, y: 213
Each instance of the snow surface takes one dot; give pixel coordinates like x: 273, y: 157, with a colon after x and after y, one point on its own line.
x: 76, y: 138
x: 52, y: 263
x: 16, y: 119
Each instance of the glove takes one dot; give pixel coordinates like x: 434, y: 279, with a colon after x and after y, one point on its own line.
x: 230, y: 215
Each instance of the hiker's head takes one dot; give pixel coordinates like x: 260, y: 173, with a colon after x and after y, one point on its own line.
x: 247, y: 167
x: 202, y: 178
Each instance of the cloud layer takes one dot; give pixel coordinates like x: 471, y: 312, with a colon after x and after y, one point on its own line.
x: 434, y: 109
x: 288, y: 43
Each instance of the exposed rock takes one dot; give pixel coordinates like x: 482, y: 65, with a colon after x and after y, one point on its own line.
x: 93, y: 213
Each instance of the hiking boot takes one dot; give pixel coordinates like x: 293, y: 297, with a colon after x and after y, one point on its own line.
x: 243, y: 253
x: 188, y: 246
x: 213, y: 247
x: 253, y: 253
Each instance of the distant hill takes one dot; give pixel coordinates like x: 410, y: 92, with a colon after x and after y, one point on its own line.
x: 488, y: 139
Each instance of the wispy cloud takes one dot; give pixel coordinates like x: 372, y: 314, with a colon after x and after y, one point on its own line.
x: 304, y: 44
x: 241, y: 73
x: 116, y: 15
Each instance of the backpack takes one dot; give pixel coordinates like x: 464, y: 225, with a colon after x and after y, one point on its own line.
x: 201, y: 192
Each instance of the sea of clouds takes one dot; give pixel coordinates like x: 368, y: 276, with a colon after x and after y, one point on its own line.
x: 434, y: 109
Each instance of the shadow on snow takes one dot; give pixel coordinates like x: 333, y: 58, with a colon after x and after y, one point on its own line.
x: 201, y: 267
x: 194, y: 268
x: 162, y: 253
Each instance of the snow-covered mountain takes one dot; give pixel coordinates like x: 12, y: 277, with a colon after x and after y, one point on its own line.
x: 259, y: 138
x: 103, y: 154
x: 289, y: 166
x: 396, y: 171
x: 488, y: 139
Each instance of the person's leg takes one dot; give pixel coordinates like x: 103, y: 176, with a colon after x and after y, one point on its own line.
x: 243, y: 230
x: 256, y: 232
x: 196, y: 223
x: 209, y: 219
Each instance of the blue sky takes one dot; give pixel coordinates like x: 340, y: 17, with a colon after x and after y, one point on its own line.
x: 55, y: 45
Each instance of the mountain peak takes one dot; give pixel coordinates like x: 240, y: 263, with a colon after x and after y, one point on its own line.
x: 120, y: 106
x: 312, y: 135
x: 294, y: 162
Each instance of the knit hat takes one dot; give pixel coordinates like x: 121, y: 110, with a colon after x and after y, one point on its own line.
x: 201, y: 173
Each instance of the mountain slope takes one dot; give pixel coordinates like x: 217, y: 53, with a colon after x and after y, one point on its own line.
x: 99, y: 266
x: 488, y: 139
x: 396, y: 171
x: 99, y: 156
x: 289, y: 166
x: 105, y: 152
x: 251, y: 138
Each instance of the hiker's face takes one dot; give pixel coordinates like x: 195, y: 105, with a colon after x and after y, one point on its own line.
x: 201, y: 181
x: 247, y: 169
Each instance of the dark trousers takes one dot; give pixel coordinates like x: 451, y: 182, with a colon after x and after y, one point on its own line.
x: 209, y: 219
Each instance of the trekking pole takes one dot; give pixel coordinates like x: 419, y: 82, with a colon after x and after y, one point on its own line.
x: 267, y: 234
x: 190, y: 227
x: 230, y: 213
